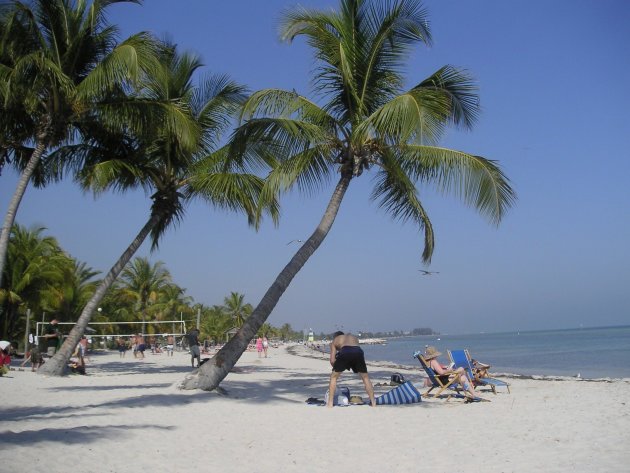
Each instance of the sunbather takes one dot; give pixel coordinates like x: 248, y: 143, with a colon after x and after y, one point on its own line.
x: 445, y: 374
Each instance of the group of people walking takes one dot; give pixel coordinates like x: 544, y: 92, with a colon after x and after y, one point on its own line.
x: 262, y: 345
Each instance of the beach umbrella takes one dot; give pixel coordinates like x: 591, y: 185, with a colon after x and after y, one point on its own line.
x: 4, y: 344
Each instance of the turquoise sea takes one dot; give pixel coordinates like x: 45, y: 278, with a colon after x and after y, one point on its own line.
x: 592, y: 352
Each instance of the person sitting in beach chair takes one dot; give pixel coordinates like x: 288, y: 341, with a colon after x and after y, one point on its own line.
x: 441, y: 376
x: 476, y: 370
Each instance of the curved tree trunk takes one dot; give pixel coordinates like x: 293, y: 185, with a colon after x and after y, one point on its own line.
x: 210, y: 375
x: 20, y: 190
x: 57, y: 365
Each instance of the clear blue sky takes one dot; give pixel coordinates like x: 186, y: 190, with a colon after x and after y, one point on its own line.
x: 553, y: 82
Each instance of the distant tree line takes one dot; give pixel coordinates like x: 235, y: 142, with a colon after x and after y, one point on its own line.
x: 44, y: 278
x: 388, y: 334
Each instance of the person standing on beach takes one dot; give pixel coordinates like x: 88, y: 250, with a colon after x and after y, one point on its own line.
x: 345, y: 354
x: 193, y: 341
x: 259, y: 346
x: 140, y: 346
x: 170, y: 340
x: 52, y: 336
x: 122, y: 347
x: 265, y: 345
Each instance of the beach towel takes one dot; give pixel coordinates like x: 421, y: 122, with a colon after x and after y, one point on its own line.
x: 406, y: 393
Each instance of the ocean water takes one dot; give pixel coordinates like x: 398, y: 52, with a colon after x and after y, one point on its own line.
x: 592, y: 352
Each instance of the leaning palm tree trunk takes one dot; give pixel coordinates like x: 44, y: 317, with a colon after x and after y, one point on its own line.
x: 20, y: 190
x: 210, y: 375
x: 57, y: 365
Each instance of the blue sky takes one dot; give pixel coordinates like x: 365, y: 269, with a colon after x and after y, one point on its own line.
x: 553, y: 79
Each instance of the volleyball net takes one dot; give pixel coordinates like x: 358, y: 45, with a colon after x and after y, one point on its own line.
x: 124, y: 329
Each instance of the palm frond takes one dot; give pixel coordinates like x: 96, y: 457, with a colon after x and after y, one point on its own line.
x: 455, y: 87
x: 479, y: 182
x: 416, y: 117
x: 397, y: 194
x: 126, y: 64
x: 235, y: 192
x: 292, y: 136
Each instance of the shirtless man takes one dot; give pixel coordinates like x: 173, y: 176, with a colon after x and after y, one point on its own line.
x: 346, y: 354
x: 170, y: 341
x: 140, y: 346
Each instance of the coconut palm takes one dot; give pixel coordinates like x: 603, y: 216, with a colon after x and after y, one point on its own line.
x: 215, y: 322
x: 59, y: 59
x: 175, y: 160
x: 234, y: 306
x: 143, y: 282
x: 36, y: 264
x: 69, y: 296
x: 366, y: 123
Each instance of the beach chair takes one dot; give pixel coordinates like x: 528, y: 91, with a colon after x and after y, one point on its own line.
x: 461, y: 358
x: 451, y: 386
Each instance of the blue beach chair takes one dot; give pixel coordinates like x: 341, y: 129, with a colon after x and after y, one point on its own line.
x: 451, y: 385
x: 461, y: 358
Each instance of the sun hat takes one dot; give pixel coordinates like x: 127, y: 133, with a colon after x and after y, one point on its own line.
x: 354, y: 399
x: 430, y: 353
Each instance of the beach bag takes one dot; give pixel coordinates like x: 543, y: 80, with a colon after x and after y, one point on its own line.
x: 341, y: 397
x: 397, y: 378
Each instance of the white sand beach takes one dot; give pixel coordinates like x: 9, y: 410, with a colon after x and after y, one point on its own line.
x: 127, y: 415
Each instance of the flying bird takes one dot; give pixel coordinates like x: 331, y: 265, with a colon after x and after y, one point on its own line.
x: 292, y: 241
x: 428, y: 273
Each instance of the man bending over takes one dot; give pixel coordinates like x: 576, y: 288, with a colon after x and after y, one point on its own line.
x: 345, y: 354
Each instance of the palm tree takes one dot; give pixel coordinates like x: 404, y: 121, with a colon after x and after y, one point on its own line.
x: 143, y: 282
x: 235, y: 306
x: 69, y: 296
x: 36, y: 264
x: 171, y: 301
x: 175, y: 160
x: 58, y: 61
x: 367, y: 123
x: 215, y: 322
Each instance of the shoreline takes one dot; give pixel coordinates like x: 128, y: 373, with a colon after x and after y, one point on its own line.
x: 313, y: 353
x: 129, y: 413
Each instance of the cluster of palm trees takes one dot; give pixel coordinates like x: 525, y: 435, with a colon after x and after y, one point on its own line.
x: 129, y: 114
x: 42, y: 277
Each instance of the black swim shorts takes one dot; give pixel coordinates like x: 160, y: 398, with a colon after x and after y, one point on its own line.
x: 350, y: 358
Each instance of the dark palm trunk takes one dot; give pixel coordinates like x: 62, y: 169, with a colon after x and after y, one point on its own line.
x: 20, y: 190
x: 57, y: 365
x: 213, y: 372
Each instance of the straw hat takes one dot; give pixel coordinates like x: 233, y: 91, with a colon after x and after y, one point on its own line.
x: 430, y: 353
x: 356, y: 400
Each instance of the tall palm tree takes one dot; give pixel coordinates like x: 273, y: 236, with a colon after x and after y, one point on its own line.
x: 59, y: 59
x: 366, y: 123
x: 175, y: 160
x: 143, y: 282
